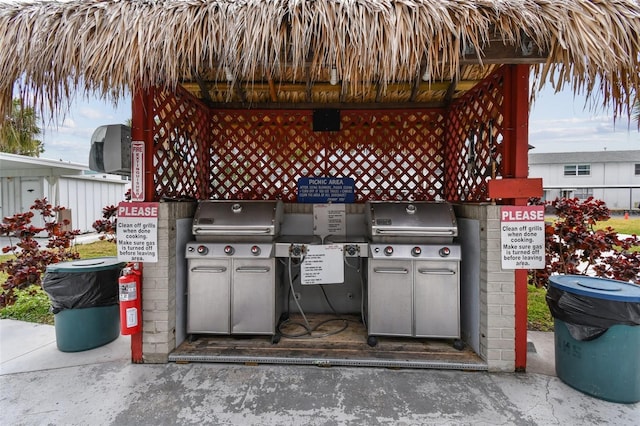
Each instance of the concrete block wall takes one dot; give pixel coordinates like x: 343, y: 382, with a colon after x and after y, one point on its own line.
x: 159, y: 286
x: 497, y: 291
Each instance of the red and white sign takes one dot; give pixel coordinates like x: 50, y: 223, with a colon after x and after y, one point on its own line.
x: 137, y: 171
x: 137, y: 232
x: 522, y: 237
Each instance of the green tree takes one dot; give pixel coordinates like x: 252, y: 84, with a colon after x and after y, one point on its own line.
x: 19, y: 130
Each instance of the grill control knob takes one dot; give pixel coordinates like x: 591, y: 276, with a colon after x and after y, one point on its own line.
x: 296, y: 250
x: 351, y: 249
x: 202, y: 250
x: 255, y: 250
x: 416, y: 251
x: 445, y: 251
x: 228, y: 250
x: 388, y: 251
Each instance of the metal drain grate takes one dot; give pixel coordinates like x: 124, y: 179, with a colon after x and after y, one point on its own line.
x: 331, y: 362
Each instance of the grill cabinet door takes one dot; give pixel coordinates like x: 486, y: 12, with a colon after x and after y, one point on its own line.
x: 390, y: 295
x: 437, y: 299
x: 253, y: 298
x: 208, y: 296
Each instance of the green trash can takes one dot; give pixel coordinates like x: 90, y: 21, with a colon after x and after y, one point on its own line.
x: 84, y: 298
x: 597, y: 335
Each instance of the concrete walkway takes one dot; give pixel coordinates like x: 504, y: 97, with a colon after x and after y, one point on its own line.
x: 41, y: 385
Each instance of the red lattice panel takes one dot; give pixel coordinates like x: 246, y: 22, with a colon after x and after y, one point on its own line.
x: 407, y: 154
x: 261, y: 154
x: 181, y: 129
x: 474, y: 140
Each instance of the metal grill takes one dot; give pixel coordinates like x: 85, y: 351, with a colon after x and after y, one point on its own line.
x: 414, y: 270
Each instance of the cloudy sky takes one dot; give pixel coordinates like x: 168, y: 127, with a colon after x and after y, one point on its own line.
x: 558, y: 123
x: 68, y: 138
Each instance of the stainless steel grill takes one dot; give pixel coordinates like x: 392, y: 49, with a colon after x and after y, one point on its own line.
x: 411, y: 222
x: 232, y: 272
x: 414, y: 264
x: 253, y: 221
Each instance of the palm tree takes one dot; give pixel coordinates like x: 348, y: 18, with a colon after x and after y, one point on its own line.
x: 19, y: 130
x: 636, y: 111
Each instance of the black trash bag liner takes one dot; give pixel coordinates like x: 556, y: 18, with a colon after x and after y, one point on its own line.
x: 584, y: 333
x: 587, y: 318
x: 74, y: 290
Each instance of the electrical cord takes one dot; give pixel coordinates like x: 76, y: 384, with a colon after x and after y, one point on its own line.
x: 308, y: 330
x: 295, y: 299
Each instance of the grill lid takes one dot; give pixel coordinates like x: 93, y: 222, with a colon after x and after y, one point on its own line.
x: 217, y: 220
x: 406, y: 221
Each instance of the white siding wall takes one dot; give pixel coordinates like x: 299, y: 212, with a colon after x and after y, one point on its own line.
x: 85, y: 196
x: 16, y: 200
x: 602, y: 174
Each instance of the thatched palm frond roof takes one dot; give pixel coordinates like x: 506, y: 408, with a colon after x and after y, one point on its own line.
x: 111, y: 47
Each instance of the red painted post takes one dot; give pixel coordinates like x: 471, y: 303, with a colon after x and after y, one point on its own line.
x: 516, y: 166
x: 149, y: 186
x: 139, y: 122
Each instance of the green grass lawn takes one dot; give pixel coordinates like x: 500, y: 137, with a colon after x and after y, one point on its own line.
x: 32, y: 304
x: 539, y: 318
x: 621, y: 225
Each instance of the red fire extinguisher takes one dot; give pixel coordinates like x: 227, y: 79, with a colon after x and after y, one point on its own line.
x: 130, y: 300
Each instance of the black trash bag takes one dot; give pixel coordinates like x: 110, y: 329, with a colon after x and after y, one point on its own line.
x: 74, y: 290
x: 587, y: 317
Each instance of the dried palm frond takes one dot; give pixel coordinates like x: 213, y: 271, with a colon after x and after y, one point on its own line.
x: 111, y: 47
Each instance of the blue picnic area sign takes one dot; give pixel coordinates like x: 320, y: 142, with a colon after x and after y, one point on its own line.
x: 326, y: 190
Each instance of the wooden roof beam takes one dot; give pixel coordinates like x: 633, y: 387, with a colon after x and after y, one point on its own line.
x: 308, y: 87
x: 499, y: 53
x: 448, y: 97
x: 204, y: 89
x: 334, y: 105
x: 273, y: 93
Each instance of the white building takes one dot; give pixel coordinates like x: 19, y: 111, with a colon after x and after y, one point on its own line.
x: 81, y: 191
x: 610, y: 176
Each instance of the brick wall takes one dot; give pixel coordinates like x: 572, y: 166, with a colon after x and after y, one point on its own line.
x: 159, y: 287
x: 497, y: 291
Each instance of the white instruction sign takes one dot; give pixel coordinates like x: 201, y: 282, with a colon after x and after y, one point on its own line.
x: 522, y: 237
x: 137, y: 232
x: 329, y: 219
x: 323, y: 264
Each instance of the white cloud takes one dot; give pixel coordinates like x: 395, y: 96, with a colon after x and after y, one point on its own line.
x: 68, y: 123
x: 93, y: 114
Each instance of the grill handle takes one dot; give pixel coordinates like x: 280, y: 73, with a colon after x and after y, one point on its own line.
x: 209, y: 269
x: 231, y: 231
x: 253, y: 269
x: 426, y: 271
x: 426, y: 232
x: 391, y: 270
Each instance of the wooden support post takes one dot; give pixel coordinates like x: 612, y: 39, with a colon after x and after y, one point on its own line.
x: 516, y: 134
x: 139, y: 130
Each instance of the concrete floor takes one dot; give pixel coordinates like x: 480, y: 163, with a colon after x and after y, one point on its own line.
x: 41, y: 385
